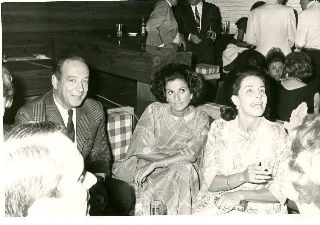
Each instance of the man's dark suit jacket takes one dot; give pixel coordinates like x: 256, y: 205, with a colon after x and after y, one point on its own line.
x: 90, y: 128
x: 187, y: 24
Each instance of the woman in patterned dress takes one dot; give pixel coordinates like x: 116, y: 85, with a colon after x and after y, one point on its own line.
x: 244, y: 154
x: 167, y: 145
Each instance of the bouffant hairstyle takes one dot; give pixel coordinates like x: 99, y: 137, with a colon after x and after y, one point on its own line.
x: 232, y: 86
x: 305, y: 157
x: 248, y: 57
x: 298, y: 64
x: 171, y: 72
x: 8, y: 89
x: 275, y: 55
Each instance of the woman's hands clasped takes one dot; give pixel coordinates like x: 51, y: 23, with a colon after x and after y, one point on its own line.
x: 256, y: 174
x: 141, y: 174
x: 229, y: 200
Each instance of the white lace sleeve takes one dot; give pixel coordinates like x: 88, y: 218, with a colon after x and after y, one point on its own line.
x: 212, y: 154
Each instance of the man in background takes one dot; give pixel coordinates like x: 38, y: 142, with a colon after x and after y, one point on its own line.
x: 195, y: 18
x: 271, y: 25
x: 308, y: 33
x: 162, y: 26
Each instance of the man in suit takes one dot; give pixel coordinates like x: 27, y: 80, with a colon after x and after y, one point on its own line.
x: 162, y: 26
x: 84, y: 123
x: 195, y: 18
x: 272, y: 25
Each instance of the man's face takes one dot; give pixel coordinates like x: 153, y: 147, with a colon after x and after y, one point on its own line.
x: 194, y: 2
x: 72, y: 88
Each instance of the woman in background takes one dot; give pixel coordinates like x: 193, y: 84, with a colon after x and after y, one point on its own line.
x: 243, y: 154
x: 295, y: 88
x: 275, y: 63
x: 167, y: 145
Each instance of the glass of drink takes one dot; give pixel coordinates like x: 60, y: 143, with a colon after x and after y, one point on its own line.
x: 157, y: 207
x: 119, y: 29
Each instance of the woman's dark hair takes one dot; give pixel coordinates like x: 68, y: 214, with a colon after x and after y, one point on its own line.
x: 257, y: 4
x: 248, y: 57
x: 171, y: 72
x: 232, y: 85
x: 275, y: 55
x: 298, y: 64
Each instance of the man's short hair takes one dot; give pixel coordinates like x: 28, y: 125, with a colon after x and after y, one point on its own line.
x: 56, y: 69
x: 36, y: 160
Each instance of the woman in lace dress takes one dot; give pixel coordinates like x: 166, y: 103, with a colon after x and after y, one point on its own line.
x: 167, y: 145
x: 244, y: 153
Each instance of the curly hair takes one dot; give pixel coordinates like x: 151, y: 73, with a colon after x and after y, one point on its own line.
x: 232, y: 86
x: 171, y: 72
x: 298, y: 64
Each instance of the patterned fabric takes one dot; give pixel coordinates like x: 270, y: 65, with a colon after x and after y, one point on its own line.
x: 90, y: 128
x: 119, y: 128
x: 158, y: 131
x: 230, y: 150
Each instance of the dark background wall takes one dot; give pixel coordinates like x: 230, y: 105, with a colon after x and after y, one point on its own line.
x: 29, y: 27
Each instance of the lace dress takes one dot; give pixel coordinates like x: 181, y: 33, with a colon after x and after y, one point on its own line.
x: 230, y: 150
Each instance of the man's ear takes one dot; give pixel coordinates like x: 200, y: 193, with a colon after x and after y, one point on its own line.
x: 54, y: 81
x: 235, y: 100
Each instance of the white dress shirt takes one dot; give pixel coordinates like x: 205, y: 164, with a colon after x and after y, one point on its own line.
x: 308, y: 31
x: 271, y: 25
x: 65, y: 116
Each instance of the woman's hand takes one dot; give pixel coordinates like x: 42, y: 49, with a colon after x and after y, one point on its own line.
x: 256, y: 174
x: 141, y: 174
x: 229, y: 200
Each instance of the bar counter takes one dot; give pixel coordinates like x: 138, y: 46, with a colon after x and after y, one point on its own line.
x: 124, y: 57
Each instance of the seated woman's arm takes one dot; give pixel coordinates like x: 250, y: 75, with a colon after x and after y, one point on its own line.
x: 152, y: 157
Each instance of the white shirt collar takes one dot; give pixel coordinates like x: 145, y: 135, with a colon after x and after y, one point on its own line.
x: 169, y: 3
x: 64, y: 112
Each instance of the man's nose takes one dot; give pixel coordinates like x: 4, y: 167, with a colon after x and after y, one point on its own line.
x: 80, y: 87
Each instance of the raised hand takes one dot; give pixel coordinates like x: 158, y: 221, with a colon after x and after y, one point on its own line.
x: 195, y: 39
x: 256, y: 174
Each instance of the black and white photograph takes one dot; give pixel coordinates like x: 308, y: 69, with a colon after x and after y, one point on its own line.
x: 161, y: 111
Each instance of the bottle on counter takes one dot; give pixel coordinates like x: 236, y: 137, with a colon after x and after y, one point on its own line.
x: 143, y: 27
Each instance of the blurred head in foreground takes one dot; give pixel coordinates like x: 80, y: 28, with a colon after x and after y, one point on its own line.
x: 43, y: 173
x: 305, y: 161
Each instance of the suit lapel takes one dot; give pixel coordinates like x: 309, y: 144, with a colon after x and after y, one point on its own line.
x: 83, y: 125
x: 52, y: 112
x: 205, y: 19
x: 190, y: 14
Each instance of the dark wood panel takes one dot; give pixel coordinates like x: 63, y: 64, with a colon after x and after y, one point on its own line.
x: 34, y: 23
